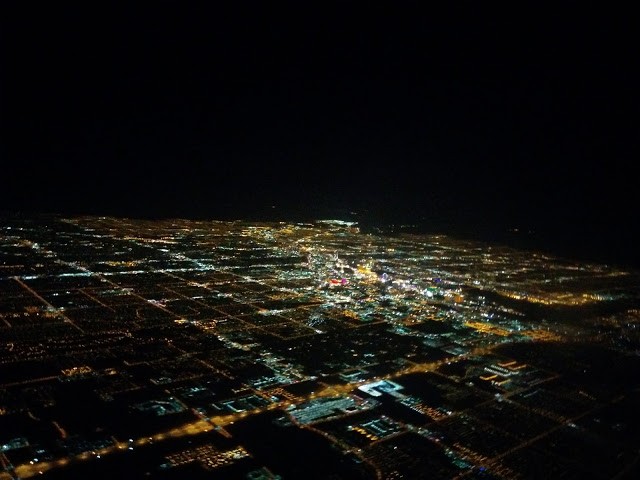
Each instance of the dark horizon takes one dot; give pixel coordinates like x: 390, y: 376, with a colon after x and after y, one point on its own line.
x: 588, y: 245
x: 470, y: 120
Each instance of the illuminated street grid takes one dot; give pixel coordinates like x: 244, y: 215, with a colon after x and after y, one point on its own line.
x: 176, y: 348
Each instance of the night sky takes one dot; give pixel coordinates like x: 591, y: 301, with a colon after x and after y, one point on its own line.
x: 472, y: 119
